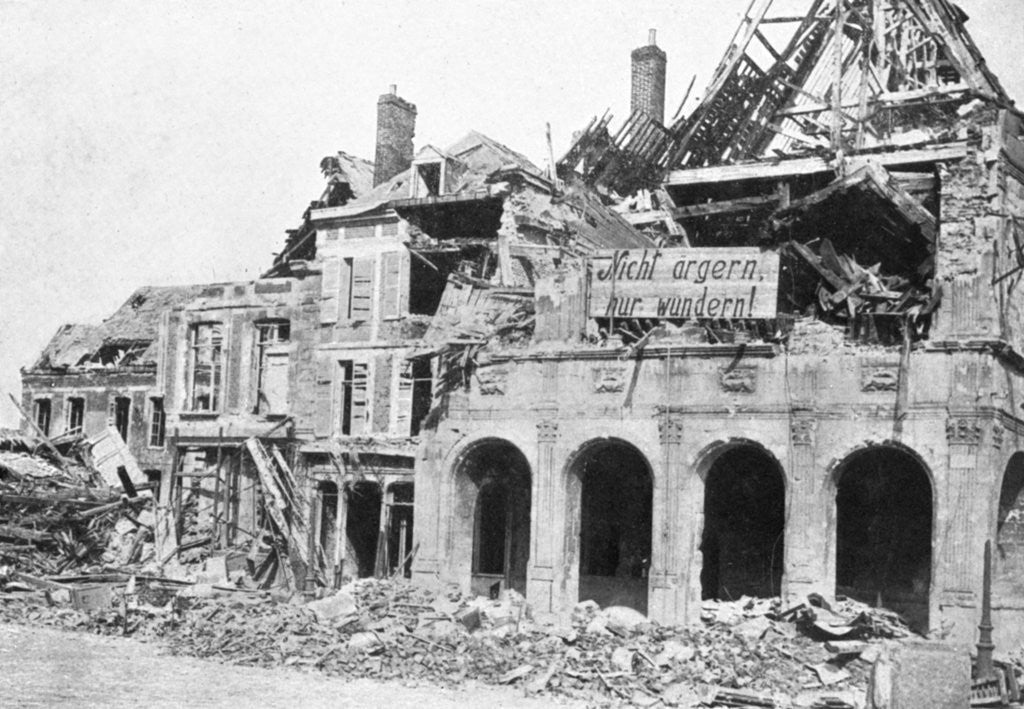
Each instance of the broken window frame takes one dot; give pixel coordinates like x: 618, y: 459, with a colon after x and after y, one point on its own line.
x: 157, y: 423
x: 74, y: 415
x: 412, y: 396
x: 42, y: 414
x: 206, y: 352
x: 119, y: 414
x: 353, y: 397
x: 271, y: 339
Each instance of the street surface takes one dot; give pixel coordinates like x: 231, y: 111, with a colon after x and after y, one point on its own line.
x: 42, y: 667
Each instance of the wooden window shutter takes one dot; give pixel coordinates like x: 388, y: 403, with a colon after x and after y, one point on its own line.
x: 403, y: 284
x: 329, y: 291
x: 360, y: 399
x: 362, y: 288
x: 392, y: 305
x: 322, y: 398
x: 345, y: 289
x: 403, y: 399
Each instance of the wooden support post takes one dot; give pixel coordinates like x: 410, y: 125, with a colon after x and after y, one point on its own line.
x: 380, y: 565
x: 403, y: 530
x: 837, y: 85
x: 215, y: 531
x: 340, y: 535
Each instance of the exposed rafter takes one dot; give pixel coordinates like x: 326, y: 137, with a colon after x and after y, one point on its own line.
x: 845, y: 76
x: 844, y: 69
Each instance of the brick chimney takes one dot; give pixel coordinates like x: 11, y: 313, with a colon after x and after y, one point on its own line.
x: 647, y: 90
x: 396, y: 125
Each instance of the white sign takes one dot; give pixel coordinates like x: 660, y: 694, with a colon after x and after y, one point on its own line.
x: 723, y: 283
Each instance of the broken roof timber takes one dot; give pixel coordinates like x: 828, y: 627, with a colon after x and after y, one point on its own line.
x: 811, y: 166
x: 875, y: 179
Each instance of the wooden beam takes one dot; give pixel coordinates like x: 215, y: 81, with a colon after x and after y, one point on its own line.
x: 744, y: 204
x: 810, y: 166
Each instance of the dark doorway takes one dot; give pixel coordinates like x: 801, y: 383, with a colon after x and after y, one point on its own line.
x: 744, y: 523
x: 615, y: 524
x: 362, y: 525
x: 500, y: 480
x: 400, y: 529
x: 884, y: 532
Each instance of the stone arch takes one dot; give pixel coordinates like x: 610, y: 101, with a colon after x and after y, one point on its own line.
x: 610, y: 497
x: 885, y: 517
x: 490, y: 540
x: 742, y: 542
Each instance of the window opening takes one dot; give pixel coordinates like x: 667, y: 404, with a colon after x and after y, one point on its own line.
x: 206, y: 345
x: 42, y: 414
x: 120, y: 415
x: 271, y: 359
x: 157, y: 422
x: 76, y: 415
x: 353, y: 397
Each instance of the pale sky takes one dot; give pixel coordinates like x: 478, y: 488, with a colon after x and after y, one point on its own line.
x: 147, y: 143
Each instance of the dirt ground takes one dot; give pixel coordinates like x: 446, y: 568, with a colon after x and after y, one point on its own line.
x: 46, y: 668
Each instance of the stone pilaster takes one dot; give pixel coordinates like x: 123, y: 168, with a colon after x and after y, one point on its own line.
x: 809, y: 548
x: 665, y: 596
x: 545, y: 531
x: 955, y: 553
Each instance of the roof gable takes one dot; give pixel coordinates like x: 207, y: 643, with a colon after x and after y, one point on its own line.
x: 835, y: 79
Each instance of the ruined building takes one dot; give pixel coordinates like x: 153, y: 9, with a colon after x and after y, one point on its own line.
x: 770, y: 348
x: 813, y: 385
x: 91, y: 377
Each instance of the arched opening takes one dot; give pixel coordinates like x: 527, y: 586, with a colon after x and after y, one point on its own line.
x: 616, y: 490
x: 744, y: 521
x: 1008, y: 560
x: 494, y: 479
x: 884, y: 531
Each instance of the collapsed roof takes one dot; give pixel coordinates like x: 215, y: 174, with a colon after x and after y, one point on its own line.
x: 805, y: 77
x: 127, y: 337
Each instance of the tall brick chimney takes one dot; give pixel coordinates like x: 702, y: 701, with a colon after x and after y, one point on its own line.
x: 396, y: 125
x: 647, y: 90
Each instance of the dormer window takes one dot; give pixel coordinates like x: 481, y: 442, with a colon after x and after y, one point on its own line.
x: 430, y: 173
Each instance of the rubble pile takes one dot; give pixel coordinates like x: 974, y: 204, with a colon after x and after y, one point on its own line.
x: 745, y: 653
x: 57, y: 515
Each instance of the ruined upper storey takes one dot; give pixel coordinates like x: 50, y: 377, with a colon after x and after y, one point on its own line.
x: 806, y: 78
x: 864, y: 143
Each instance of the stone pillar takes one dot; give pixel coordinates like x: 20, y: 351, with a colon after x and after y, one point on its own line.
x: 430, y: 514
x: 545, y: 514
x: 958, y: 537
x: 670, y: 535
x: 809, y: 538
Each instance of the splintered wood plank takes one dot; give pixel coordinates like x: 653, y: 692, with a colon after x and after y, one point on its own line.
x: 744, y: 204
